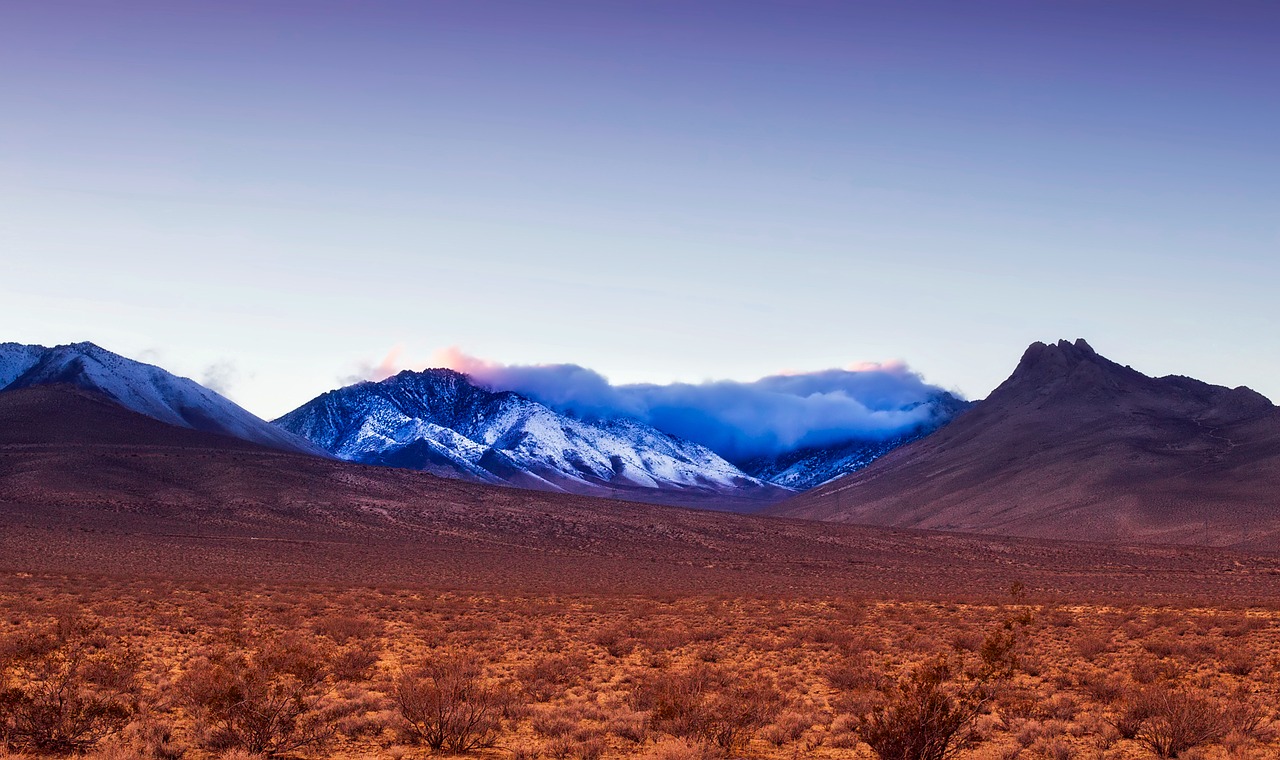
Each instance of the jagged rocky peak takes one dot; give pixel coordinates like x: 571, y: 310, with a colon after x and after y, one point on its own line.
x: 1067, y: 369
x: 1062, y: 355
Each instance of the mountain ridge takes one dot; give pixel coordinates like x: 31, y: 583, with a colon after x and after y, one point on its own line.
x: 140, y: 387
x: 1075, y: 445
x: 441, y: 421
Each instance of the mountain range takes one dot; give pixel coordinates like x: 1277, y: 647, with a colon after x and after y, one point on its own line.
x: 445, y: 423
x: 440, y: 421
x: 1074, y: 445
x: 91, y: 489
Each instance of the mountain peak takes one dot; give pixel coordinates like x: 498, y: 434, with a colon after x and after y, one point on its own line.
x: 139, y: 387
x: 1064, y: 353
x: 1072, y: 368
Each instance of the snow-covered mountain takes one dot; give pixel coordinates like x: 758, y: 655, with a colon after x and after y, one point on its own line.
x: 809, y: 467
x: 806, y: 468
x: 144, y: 388
x: 442, y: 422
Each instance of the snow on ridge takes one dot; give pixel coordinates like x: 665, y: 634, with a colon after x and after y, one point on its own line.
x: 140, y: 387
x: 513, y: 438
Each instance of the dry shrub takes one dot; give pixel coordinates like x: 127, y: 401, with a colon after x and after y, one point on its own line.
x: 1101, y: 685
x: 966, y: 640
x: 1056, y: 749
x: 857, y: 672
x: 1168, y: 646
x: 1239, y: 660
x: 1169, y: 720
x: 579, y: 747
x: 264, y: 701
x: 549, y: 676
x: 552, y: 724
x: 353, y: 663
x: 615, y: 641
x: 447, y: 704
x: 789, y: 727
x: 1000, y: 649
x: 629, y: 725
x: 1149, y: 671
x: 64, y: 689
x: 345, y: 628
x: 154, y: 738
x: 926, y: 718
x: 1090, y: 646
x: 1246, y: 718
x: 678, y: 749
x: 709, y: 705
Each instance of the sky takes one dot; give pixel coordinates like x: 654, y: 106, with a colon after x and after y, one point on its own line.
x: 272, y: 197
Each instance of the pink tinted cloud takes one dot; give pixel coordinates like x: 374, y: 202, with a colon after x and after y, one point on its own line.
x: 782, y: 412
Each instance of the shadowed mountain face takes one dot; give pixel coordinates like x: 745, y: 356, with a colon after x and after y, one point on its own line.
x: 143, y: 388
x: 1075, y: 446
x: 88, y: 487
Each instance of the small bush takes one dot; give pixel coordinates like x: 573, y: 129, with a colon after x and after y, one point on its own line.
x: 709, y: 705
x: 548, y: 677
x: 345, y: 628
x: 857, y: 672
x: 629, y: 725
x: 1169, y: 720
x: 353, y: 663
x: 263, y: 702
x: 923, y: 720
x: 65, y: 689
x: 447, y: 705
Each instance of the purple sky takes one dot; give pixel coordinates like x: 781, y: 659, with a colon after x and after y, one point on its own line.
x: 280, y: 191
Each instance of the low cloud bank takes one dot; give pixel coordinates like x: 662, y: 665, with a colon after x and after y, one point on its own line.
x: 737, y: 420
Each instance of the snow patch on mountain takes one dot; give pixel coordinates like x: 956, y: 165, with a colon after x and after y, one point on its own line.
x: 143, y: 388
x: 439, y: 420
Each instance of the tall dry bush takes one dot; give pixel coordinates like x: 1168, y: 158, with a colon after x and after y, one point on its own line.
x: 928, y: 716
x: 264, y: 701
x: 1170, y: 719
x: 447, y: 704
x: 64, y: 688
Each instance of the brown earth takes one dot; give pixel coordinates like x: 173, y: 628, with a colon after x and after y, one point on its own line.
x: 1075, y: 446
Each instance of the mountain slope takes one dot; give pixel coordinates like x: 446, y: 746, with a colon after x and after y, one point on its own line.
x: 143, y: 388
x: 439, y: 421
x: 805, y: 468
x: 1073, y: 445
x: 128, y: 497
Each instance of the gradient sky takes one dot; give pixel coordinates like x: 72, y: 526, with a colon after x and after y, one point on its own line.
x: 277, y: 193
